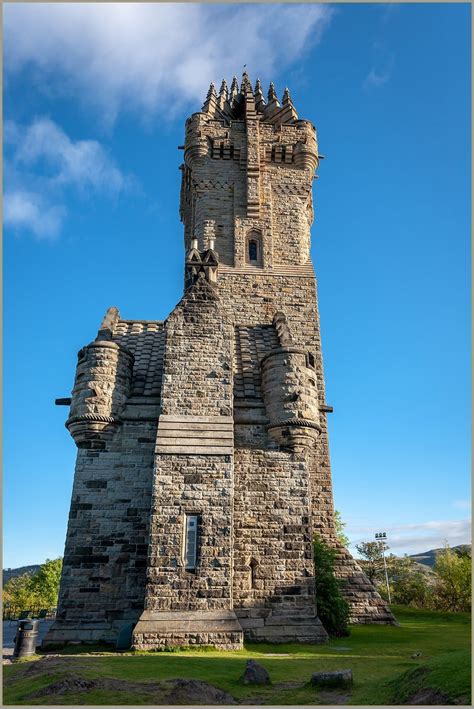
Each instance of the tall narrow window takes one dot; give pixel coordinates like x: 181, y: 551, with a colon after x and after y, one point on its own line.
x: 253, y: 248
x: 253, y: 251
x: 253, y: 572
x: 191, y: 541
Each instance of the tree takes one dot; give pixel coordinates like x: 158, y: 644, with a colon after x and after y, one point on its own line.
x: 453, y: 583
x: 372, y: 559
x: 45, y: 583
x: 40, y: 590
x: 333, y: 609
x: 17, y: 592
x: 409, y: 585
x: 340, y: 533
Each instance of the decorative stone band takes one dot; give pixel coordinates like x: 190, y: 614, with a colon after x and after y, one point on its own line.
x: 109, y: 344
x: 92, y: 418
x: 195, y: 435
x: 298, y: 271
x: 282, y: 350
x: 294, y: 421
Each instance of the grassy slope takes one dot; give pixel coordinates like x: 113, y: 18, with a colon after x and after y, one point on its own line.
x: 377, y: 655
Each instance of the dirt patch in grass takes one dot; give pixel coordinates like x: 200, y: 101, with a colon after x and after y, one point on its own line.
x: 45, y: 667
x: 170, y: 691
x: 413, y: 688
x: 334, y: 696
x: 63, y: 686
x: 428, y: 697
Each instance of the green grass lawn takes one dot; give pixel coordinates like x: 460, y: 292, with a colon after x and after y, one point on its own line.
x: 379, y: 656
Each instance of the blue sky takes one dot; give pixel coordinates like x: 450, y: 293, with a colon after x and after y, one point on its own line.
x: 95, y: 99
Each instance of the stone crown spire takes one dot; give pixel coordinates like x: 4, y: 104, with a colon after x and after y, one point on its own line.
x: 228, y: 105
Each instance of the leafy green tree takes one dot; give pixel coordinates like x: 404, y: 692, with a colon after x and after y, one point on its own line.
x: 333, y: 609
x: 409, y: 585
x: 18, y: 593
x: 45, y: 583
x: 340, y: 533
x: 40, y: 590
x: 372, y: 559
x: 453, y: 583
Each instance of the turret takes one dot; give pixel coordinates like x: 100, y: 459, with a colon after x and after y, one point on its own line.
x: 290, y: 392
x: 102, y: 385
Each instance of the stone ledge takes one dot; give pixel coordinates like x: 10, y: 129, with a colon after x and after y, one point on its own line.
x: 161, y: 628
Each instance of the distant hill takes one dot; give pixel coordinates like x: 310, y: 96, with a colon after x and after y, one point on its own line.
x: 11, y: 573
x: 428, y: 558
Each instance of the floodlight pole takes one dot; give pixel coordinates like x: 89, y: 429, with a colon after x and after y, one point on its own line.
x: 381, y: 537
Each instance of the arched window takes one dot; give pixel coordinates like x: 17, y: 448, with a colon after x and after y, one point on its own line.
x: 253, y: 250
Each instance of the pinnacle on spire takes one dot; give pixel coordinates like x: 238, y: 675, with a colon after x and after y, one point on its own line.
x: 212, y: 91
x: 272, y: 93
x: 258, y: 93
x: 286, y: 96
x: 211, y: 100
x: 234, y: 89
x: 245, y: 85
x: 223, y: 95
x: 224, y: 91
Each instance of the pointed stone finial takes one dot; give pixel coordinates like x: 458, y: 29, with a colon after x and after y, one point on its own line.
x: 211, y: 100
x: 286, y: 96
x: 106, y: 329
x: 234, y: 89
x: 224, y: 91
x: 258, y: 92
x: 245, y: 85
x: 272, y: 93
x: 212, y: 91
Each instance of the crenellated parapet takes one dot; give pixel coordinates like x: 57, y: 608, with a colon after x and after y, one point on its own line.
x: 290, y: 391
x: 101, y: 387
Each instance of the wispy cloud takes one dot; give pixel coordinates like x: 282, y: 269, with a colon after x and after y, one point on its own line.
x: 376, y: 78
x: 417, y: 537
x: 383, y: 59
x: 27, y: 210
x: 154, y: 56
x: 41, y: 161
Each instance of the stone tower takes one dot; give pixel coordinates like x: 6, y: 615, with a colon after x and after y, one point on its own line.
x: 203, y: 465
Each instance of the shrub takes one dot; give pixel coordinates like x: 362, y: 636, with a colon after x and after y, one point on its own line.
x: 333, y: 609
x: 453, y: 583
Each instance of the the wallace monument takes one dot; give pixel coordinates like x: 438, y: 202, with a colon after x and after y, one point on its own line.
x: 203, y: 468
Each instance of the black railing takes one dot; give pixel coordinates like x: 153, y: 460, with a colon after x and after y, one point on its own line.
x: 11, y: 612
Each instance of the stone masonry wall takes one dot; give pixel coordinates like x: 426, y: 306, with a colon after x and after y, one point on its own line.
x: 193, y: 485
x: 273, y: 556
x: 104, y: 571
x: 296, y: 297
x: 197, y: 394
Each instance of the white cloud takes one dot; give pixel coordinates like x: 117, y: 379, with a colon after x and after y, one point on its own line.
x: 41, y: 161
x: 417, y: 537
x: 83, y: 163
x: 150, y: 56
x: 28, y: 210
x: 375, y: 78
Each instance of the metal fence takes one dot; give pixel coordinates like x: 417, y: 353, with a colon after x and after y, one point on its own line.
x: 11, y: 612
